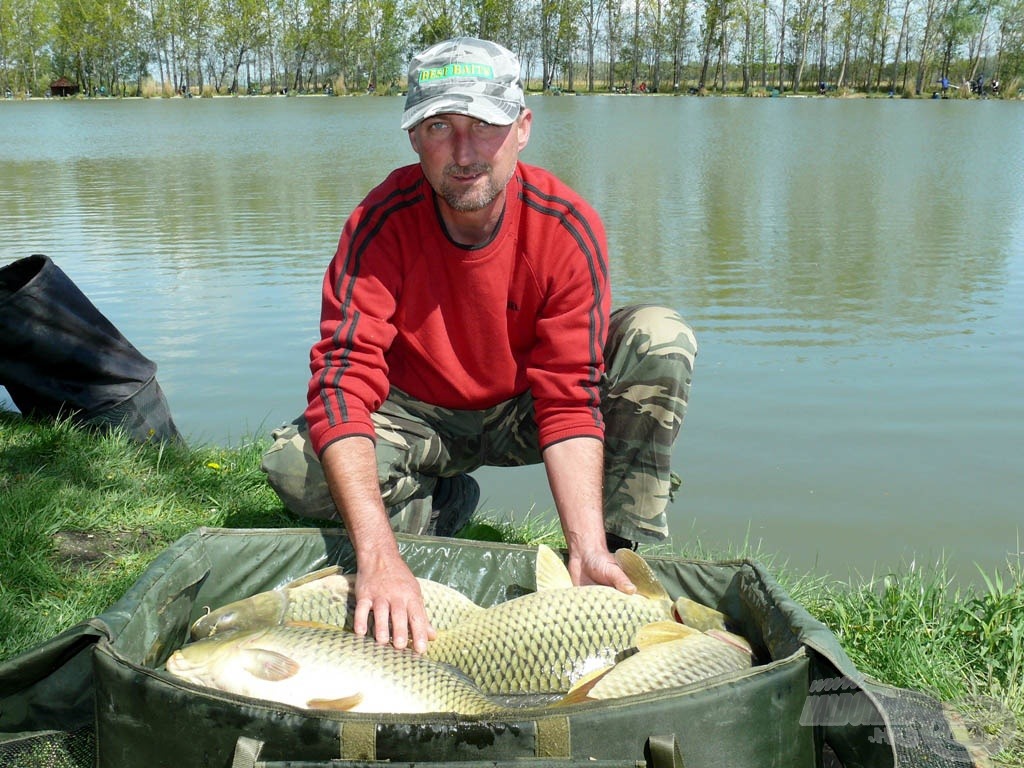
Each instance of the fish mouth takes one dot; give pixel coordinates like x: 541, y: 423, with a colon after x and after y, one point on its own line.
x: 261, y: 610
x: 177, y: 664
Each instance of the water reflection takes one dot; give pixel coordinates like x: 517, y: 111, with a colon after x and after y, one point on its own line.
x: 853, y: 270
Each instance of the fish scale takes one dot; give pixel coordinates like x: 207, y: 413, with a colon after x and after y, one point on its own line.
x: 666, y: 665
x: 544, y: 642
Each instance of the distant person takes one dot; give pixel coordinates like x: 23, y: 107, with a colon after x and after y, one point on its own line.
x: 466, y: 321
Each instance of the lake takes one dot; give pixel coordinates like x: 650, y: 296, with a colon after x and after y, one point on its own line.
x: 854, y: 270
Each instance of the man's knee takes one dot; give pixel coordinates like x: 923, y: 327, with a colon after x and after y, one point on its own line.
x: 294, y: 472
x: 653, y: 338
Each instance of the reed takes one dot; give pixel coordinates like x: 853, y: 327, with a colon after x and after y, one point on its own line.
x: 147, y: 88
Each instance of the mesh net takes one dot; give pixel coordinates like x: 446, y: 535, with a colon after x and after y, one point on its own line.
x: 50, y: 749
x: 927, y: 734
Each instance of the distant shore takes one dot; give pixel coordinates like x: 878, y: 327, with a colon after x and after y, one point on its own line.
x: 955, y: 94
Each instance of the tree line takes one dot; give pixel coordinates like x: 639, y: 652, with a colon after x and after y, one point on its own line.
x: 202, y: 47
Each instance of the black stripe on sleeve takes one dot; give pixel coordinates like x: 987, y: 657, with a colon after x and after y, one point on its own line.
x: 337, y: 361
x: 579, y: 228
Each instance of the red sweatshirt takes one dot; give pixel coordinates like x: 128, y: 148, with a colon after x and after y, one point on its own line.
x: 464, y: 328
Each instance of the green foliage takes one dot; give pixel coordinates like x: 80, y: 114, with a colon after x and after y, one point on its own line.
x: 531, y: 529
x: 111, y: 46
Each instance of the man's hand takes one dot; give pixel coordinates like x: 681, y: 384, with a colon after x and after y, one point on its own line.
x: 385, y: 586
x: 598, y: 566
x: 392, y: 595
x: 575, y: 473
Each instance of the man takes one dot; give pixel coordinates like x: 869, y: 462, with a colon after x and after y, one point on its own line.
x: 466, y: 322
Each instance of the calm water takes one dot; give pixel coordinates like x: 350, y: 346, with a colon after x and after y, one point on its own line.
x: 854, y: 271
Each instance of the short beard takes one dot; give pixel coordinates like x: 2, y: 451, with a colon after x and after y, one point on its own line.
x: 466, y: 201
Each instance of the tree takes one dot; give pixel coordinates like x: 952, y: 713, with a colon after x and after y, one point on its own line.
x: 614, y: 34
x: 782, y: 46
x: 244, y: 28
x: 1010, y: 48
x: 26, y: 31
x: 802, y: 23
x: 933, y: 10
x: 93, y: 42
x: 385, y: 33
x: 590, y: 17
x: 678, y: 23
x: 746, y: 13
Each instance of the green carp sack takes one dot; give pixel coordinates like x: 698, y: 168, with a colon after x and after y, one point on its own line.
x: 561, y: 644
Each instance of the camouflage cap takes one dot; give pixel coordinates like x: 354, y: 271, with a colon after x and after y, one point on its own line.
x: 464, y: 76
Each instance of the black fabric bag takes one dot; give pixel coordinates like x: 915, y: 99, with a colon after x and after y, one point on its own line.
x: 100, y: 687
x: 59, y: 356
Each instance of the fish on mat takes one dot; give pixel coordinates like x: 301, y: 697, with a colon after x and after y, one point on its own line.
x: 326, y: 596
x: 323, y: 667
x: 668, y: 655
x: 699, y: 616
x: 546, y: 641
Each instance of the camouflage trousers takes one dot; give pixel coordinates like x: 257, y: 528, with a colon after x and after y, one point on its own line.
x: 424, y: 452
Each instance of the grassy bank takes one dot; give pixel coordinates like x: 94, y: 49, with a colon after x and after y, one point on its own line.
x: 81, y: 517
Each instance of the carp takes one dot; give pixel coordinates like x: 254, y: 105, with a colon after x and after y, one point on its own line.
x: 324, y: 597
x: 544, y: 642
x: 667, y: 656
x: 322, y: 667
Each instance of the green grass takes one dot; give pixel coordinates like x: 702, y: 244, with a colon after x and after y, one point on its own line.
x: 82, y: 515
x: 57, y: 481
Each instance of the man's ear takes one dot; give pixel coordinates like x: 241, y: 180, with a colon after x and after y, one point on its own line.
x: 523, y: 128
x: 414, y: 141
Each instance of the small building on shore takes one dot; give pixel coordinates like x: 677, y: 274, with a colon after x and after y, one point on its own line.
x: 63, y: 87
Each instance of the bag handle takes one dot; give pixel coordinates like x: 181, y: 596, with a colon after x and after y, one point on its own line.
x: 663, y: 751
x: 247, y: 752
x: 553, y: 739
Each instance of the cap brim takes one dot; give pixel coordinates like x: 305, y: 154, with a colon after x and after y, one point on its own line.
x: 486, y: 110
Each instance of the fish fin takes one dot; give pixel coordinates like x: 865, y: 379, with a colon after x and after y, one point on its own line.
x: 551, y: 570
x: 732, y: 639
x: 312, y: 625
x: 662, y: 632
x: 694, y: 614
x: 330, y: 570
x: 640, y: 573
x: 344, y: 704
x: 268, y: 665
x: 580, y: 690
